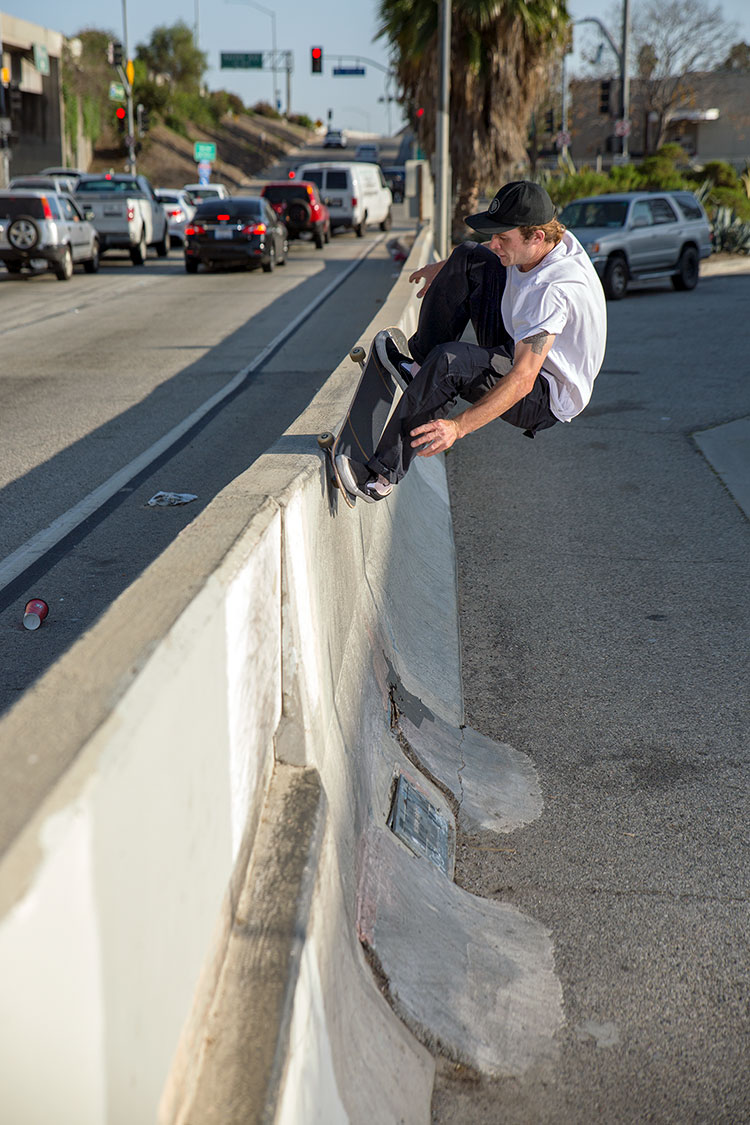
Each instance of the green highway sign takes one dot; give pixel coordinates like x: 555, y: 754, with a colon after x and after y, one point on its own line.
x: 241, y: 60
x: 204, y: 150
x: 116, y: 92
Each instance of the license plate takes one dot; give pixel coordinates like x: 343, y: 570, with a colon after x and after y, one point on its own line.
x: 223, y: 233
x: 335, y: 202
x: 113, y: 210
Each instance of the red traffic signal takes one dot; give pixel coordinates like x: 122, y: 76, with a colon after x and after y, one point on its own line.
x: 316, y: 59
x: 120, y: 113
x: 420, y: 112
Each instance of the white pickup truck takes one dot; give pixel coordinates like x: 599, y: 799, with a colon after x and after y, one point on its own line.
x: 126, y: 213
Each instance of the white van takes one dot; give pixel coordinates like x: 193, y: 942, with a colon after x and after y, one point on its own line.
x: 356, y: 194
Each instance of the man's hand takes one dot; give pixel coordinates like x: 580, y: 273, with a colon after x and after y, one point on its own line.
x: 435, y: 437
x: 427, y: 274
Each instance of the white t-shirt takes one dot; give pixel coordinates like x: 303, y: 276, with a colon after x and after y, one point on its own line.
x: 563, y: 296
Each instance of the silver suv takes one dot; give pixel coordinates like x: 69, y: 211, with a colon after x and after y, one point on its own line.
x: 639, y: 235
x: 45, y: 230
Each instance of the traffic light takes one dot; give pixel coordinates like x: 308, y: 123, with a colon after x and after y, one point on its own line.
x: 420, y: 114
x: 117, y: 53
x: 604, y: 91
x: 121, y: 114
x: 316, y: 59
x: 549, y: 121
x: 144, y: 121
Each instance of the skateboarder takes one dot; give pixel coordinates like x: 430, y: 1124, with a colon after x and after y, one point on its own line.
x: 538, y: 311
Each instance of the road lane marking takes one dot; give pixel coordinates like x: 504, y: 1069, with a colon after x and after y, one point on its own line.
x: 38, y: 546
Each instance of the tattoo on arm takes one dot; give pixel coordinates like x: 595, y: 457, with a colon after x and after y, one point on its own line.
x: 537, y: 342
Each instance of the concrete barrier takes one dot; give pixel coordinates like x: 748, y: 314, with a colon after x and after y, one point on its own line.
x: 216, y: 904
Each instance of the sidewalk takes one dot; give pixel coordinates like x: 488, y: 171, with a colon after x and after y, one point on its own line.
x: 603, y: 576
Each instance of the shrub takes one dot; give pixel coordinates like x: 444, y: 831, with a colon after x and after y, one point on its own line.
x: 721, y: 174
x: 731, y: 234
x: 265, y: 109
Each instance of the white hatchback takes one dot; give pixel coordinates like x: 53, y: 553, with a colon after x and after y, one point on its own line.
x: 355, y: 194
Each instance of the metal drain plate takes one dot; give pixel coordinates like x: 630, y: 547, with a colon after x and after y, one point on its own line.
x: 419, y: 825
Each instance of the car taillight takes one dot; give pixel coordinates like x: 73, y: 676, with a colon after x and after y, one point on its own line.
x: 354, y: 201
x: 256, y: 228
x: 224, y: 217
x: 131, y: 213
x: 176, y: 214
x: 278, y: 207
x: 291, y: 173
x: 45, y: 205
x: 190, y: 231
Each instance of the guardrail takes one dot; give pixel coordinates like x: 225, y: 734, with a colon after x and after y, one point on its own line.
x: 226, y: 873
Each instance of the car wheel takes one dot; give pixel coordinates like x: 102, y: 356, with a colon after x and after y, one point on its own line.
x: 327, y: 234
x: 269, y: 265
x: 387, y: 222
x: 13, y: 267
x: 138, y: 252
x: 318, y: 237
x: 163, y: 247
x: 688, y: 269
x: 191, y: 265
x: 23, y: 233
x: 360, y: 228
x: 299, y: 212
x: 91, y: 265
x: 64, y: 268
x: 615, y: 279
x: 284, y: 252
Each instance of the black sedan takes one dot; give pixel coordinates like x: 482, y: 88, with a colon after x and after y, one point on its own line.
x: 242, y: 230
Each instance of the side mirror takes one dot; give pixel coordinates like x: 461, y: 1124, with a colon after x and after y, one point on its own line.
x: 89, y: 214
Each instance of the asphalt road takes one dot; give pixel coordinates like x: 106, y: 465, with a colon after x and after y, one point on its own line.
x: 97, y: 370
x: 603, y: 572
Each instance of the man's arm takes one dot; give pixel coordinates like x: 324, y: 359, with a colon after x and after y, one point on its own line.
x: 440, y: 434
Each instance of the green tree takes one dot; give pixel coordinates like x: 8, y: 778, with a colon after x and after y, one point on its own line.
x: 500, y: 56
x: 172, y: 55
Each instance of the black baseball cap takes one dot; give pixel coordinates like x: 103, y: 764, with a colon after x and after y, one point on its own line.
x: 517, y: 204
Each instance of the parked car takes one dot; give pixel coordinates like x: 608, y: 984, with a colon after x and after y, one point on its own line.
x: 300, y: 208
x: 635, y: 236
x: 196, y: 193
x: 45, y: 230
x: 179, y: 211
x: 355, y: 194
x: 243, y: 230
x: 126, y: 213
x: 395, y: 177
x: 367, y: 152
x: 335, y: 138
x: 53, y: 181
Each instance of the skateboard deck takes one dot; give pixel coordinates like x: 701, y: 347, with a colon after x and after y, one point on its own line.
x: 367, y: 414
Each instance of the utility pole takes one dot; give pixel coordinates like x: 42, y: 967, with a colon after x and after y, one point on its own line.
x: 442, y: 139
x: 128, y: 83
x: 622, y: 54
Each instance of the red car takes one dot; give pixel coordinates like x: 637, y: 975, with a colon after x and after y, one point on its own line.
x: 299, y: 206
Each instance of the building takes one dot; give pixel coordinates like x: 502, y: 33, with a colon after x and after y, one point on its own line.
x: 32, y: 119
x: 710, y: 118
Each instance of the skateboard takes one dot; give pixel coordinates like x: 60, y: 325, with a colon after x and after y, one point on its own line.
x: 367, y: 414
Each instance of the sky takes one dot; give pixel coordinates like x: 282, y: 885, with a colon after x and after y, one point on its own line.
x: 241, y: 25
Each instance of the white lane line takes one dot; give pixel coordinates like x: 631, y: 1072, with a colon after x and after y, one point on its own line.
x: 31, y: 551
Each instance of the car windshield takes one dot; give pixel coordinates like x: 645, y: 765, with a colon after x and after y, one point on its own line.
x: 236, y: 210
x: 11, y: 206
x: 122, y: 187
x: 594, y: 213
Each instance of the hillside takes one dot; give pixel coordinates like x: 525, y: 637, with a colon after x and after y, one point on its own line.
x: 245, y: 144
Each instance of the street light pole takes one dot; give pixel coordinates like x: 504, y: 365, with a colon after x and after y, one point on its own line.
x: 622, y: 54
x: 129, y: 89
x: 268, y: 12
x: 442, y: 139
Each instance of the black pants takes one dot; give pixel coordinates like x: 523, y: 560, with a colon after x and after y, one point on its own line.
x: 469, y: 288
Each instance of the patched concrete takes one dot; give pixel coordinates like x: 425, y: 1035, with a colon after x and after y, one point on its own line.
x: 495, y: 786
x: 473, y: 978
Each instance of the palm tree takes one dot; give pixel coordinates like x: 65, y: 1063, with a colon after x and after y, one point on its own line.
x: 500, y: 55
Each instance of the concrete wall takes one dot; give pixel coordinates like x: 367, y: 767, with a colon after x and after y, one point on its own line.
x: 204, y: 916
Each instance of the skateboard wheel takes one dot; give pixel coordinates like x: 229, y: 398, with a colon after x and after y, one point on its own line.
x: 326, y: 440
x: 357, y: 354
